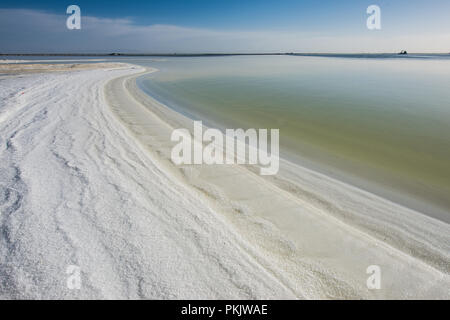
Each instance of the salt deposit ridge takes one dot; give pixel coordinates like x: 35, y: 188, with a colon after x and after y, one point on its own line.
x: 85, y: 180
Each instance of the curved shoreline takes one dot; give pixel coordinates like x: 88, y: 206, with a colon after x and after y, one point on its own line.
x: 80, y: 191
x: 331, y: 231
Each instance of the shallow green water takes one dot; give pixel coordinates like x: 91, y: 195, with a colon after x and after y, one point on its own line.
x: 380, y: 122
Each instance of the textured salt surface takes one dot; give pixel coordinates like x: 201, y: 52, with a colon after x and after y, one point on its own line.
x: 77, y: 190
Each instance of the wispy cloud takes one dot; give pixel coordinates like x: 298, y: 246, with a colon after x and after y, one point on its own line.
x: 23, y: 30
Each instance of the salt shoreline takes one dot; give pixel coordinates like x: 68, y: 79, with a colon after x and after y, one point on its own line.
x: 383, y: 226
x: 192, y: 231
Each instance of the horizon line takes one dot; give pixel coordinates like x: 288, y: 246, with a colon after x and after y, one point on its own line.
x: 219, y: 53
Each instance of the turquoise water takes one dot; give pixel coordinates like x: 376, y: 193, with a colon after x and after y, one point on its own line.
x: 380, y: 122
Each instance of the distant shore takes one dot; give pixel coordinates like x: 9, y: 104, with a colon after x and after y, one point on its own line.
x: 219, y: 54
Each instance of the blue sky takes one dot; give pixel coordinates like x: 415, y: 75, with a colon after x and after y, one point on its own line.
x: 227, y: 25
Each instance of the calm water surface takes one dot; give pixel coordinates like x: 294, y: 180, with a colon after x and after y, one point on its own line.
x: 382, y: 122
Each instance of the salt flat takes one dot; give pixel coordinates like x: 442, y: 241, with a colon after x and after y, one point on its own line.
x: 86, y: 180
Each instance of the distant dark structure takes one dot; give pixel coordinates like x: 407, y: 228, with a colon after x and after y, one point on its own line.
x: 403, y: 52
